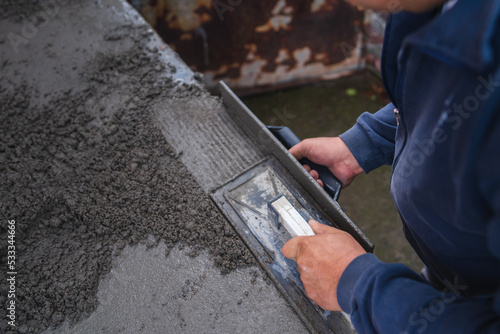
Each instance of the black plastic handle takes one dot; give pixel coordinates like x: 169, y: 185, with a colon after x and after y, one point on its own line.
x: 286, y: 136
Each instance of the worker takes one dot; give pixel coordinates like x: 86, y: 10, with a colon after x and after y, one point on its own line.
x: 441, y: 133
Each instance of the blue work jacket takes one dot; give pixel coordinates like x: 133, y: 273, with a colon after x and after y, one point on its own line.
x: 441, y: 133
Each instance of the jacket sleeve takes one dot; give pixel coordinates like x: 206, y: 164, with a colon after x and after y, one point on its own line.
x: 371, y: 139
x: 391, y: 298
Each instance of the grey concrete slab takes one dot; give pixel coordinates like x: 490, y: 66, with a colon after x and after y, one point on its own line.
x: 87, y: 172
x: 146, y: 293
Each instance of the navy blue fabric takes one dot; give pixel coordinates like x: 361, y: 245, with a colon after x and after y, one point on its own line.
x: 371, y: 139
x: 446, y: 175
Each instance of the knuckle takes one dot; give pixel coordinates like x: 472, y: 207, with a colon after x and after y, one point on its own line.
x: 302, y: 263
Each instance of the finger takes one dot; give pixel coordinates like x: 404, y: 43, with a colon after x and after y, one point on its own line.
x: 290, y: 248
x: 299, y: 151
x: 321, y: 228
x: 315, y: 175
x: 307, y: 168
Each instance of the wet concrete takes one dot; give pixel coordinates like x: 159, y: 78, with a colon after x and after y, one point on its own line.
x: 92, y: 183
x: 170, y: 295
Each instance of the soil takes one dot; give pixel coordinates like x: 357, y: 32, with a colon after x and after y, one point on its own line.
x: 85, y: 172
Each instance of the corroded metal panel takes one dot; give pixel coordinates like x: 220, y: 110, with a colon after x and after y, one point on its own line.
x: 254, y: 44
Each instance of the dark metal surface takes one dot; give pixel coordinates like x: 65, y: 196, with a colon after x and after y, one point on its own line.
x: 256, y: 44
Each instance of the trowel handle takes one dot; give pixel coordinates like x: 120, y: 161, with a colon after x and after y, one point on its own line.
x: 286, y: 136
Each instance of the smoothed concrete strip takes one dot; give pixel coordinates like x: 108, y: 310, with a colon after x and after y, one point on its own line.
x: 144, y: 292
x: 209, y: 143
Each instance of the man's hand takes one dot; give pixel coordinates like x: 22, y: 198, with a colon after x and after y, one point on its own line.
x: 321, y: 260
x: 332, y: 153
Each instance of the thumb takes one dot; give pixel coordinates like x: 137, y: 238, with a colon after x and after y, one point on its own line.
x: 299, y: 151
x: 321, y: 228
x: 291, y: 248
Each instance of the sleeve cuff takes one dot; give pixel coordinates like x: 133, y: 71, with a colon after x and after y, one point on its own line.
x: 372, y: 139
x: 349, y: 278
x: 357, y: 141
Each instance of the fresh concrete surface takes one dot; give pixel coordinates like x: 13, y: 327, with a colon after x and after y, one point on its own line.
x: 146, y: 293
x: 92, y: 183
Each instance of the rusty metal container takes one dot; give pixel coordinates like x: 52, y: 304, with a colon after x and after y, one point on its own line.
x: 256, y: 45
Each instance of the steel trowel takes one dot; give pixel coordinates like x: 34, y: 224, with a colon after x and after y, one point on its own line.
x: 271, y: 201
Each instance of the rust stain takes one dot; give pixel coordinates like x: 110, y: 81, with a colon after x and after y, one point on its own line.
x: 183, y: 14
x: 319, y: 5
x: 252, y: 43
x: 281, y: 18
